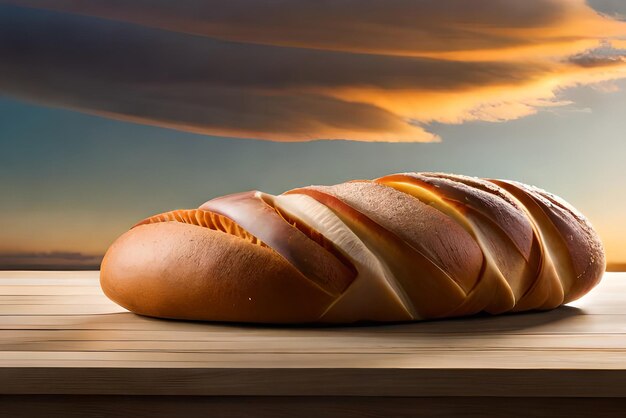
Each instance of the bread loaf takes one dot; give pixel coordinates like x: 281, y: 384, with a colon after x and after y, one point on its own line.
x: 403, y: 247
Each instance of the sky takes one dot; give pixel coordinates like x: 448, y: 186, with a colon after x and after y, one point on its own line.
x: 109, y: 114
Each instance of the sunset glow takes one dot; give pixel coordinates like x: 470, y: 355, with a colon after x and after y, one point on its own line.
x: 373, y: 71
x: 530, y: 90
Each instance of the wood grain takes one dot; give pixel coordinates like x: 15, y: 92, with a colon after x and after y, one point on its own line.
x: 59, y: 335
x: 306, y: 407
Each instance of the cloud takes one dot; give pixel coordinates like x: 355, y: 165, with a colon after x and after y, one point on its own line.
x: 613, y: 8
x: 594, y: 60
x: 403, y: 27
x: 300, y: 70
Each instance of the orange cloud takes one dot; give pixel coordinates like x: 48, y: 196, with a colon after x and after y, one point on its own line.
x: 480, y: 29
x: 297, y: 71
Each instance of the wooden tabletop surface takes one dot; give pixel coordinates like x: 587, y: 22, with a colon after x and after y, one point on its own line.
x: 60, y: 335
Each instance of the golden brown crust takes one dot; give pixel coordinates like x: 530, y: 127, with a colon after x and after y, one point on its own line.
x: 574, y: 243
x: 205, y: 219
x: 494, y: 218
x: 314, y: 261
x: 405, y: 246
x: 425, y: 229
x: 490, y: 200
x: 176, y: 270
x: 431, y: 290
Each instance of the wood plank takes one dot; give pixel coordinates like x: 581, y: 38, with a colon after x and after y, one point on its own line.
x: 65, y: 290
x: 54, y: 300
x: 313, y: 382
x: 51, y: 281
x: 589, y: 348
x: 182, y: 341
x: 557, y: 322
x: 602, y: 359
x: 43, y: 274
x: 67, y: 309
x: 59, y: 334
x: 114, y: 406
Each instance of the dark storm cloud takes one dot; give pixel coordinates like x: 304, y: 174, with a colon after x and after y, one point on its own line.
x: 100, y: 50
x: 297, y: 70
x: 372, y: 25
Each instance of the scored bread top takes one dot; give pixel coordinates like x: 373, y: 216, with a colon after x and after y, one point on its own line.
x: 401, y: 247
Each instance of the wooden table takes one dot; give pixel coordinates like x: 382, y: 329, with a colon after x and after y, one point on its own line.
x: 65, y: 347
